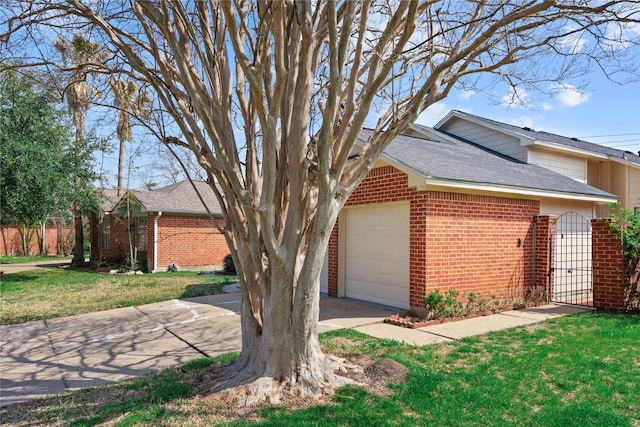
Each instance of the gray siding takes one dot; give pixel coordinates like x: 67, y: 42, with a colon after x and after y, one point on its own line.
x: 494, y: 140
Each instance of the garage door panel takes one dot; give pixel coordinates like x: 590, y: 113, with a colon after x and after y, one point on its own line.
x: 372, y: 292
x: 377, y: 272
x: 377, y: 254
x: 324, y: 274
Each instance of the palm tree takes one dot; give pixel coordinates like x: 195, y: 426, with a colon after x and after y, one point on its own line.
x: 128, y: 105
x: 78, y: 54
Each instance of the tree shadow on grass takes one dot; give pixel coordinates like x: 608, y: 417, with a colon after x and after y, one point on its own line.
x: 8, y: 278
x: 204, y: 289
x: 139, y: 397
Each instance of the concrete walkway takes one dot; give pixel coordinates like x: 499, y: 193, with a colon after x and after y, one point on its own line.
x: 16, y: 268
x: 65, y: 354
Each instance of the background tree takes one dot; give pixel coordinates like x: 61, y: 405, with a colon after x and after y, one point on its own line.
x: 33, y: 139
x: 129, y: 103
x: 79, y: 55
x: 271, y: 97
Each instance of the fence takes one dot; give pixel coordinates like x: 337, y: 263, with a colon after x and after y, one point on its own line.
x: 615, y: 280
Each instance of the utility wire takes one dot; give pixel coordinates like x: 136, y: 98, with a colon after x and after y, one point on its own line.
x: 607, y: 136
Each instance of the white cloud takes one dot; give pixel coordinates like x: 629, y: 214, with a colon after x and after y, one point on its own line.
x: 547, y: 107
x: 572, y: 43
x: 433, y: 114
x: 524, y: 121
x: 622, y: 35
x: 569, y: 95
x: 467, y: 95
x: 516, y: 97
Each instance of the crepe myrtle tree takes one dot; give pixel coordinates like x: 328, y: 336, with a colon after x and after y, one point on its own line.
x: 271, y: 97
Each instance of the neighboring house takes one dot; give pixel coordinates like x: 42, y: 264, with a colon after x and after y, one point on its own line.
x: 440, y: 212
x: 614, y: 171
x: 167, y: 225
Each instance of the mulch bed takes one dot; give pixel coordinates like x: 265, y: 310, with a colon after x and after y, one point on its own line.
x: 411, y: 320
x: 408, y: 319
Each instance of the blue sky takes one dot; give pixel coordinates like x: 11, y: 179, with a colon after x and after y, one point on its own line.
x: 602, y: 111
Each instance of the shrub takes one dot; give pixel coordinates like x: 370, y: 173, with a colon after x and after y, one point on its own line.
x: 451, y: 304
x: 228, y: 265
x: 434, y: 302
x: 626, y: 223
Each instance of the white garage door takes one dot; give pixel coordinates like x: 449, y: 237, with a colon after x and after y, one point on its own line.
x: 324, y: 274
x: 377, y: 254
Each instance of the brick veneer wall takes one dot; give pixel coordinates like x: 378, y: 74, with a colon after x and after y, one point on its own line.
x: 461, y: 241
x: 118, y: 248
x: 480, y: 244
x: 332, y: 268
x: 609, y: 293
x: 11, y: 243
x: 187, y: 241
x: 543, y: 259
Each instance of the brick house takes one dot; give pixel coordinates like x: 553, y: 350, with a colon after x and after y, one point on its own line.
x: 440, y: 212
x: 167, y: 225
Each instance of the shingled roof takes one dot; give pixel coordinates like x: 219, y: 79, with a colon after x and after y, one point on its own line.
x: 443, y: 158
x: 108, y: 199
x: 179, y: 198
x: 542, y: 136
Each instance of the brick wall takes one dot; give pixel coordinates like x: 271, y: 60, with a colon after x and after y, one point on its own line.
x: 332, y: 268
x: 467, y: 242
x: 187, y: 241
x: 118, y: 248
x: 11, y: 240
x: 609, y: 293
x: 480, y: 244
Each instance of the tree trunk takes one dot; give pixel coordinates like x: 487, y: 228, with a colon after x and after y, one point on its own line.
x: 40, y: 233
x: 78, y: 249
x: 120, y: 163
x: 281, y: 353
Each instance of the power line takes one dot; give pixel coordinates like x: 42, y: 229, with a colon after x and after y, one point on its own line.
x: 608, y: 136
x: 637, y: 140
x: 629, y: 147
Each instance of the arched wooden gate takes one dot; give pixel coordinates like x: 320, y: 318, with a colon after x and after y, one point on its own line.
x: 571, y: 275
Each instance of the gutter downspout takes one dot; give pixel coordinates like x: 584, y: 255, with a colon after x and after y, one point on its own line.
x: 155, y: 242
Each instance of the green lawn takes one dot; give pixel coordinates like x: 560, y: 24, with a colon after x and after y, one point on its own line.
x: 4, y: 259
x: 580, y: 370
x: 48, y: 293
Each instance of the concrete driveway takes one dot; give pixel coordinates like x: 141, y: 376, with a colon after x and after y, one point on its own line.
x: 16, y: 268
x: 69, y: 353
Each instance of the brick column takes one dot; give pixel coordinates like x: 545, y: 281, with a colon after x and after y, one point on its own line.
x: 417, y: 254
x: 609, y: 293
x: 333, y: 262
x: 542, y: 255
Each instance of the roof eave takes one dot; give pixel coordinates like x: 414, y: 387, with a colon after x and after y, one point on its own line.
x: 569, y: 149
x: 498, y: 188
x: 185, y: 213
x: 624, y: 162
